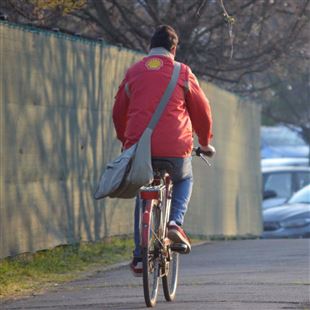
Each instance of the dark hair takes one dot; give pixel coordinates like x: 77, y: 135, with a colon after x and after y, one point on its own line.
x: 164, y: 36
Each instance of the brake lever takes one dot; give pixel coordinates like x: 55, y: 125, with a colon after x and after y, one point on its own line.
x: 205, y: 159
x: 202, y: 156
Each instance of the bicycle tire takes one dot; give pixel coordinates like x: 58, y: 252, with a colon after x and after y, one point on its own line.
x: 150, y: 253
x: 170, y: 279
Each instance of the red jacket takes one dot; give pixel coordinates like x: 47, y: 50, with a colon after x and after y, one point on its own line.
x: 138, y: 96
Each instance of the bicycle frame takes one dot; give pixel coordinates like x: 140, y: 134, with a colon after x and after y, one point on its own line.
x: 157, y: 257
x: 157, y: 194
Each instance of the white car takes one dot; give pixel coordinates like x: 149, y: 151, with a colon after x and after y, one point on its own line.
x: 281, y: 141
x: 283, y: 161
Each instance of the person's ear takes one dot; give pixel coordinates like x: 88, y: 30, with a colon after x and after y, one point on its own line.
x: 173, y: 50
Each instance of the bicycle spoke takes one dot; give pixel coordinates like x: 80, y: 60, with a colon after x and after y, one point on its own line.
x: 156, y: 237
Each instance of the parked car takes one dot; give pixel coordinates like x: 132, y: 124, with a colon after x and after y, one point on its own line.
x: 281, y: 141
x: 291, y: 219
x: 280, y: 183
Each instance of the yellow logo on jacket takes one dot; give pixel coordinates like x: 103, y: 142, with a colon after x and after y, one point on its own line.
x: 154, y: 64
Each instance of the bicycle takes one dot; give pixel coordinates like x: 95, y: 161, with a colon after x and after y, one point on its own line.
x: 160, y: 257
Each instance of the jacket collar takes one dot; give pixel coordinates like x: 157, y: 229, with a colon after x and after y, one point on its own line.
x: 160, y: 51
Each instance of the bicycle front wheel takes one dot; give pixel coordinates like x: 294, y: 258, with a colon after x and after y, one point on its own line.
x: 170, y: 279
x: 150, y: 252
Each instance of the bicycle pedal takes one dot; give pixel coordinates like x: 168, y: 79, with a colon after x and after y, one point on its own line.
x: 179, y: 247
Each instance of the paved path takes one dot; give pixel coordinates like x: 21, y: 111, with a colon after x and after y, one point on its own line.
x: 240, y: 275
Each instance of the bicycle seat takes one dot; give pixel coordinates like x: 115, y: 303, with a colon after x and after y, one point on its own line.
x: 162, y: 165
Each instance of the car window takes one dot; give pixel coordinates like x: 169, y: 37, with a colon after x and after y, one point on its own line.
x: 302, y: 179
x: 281, y: 183
x: 302, y: 196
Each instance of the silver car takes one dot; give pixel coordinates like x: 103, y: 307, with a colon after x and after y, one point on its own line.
x: 290, y: 220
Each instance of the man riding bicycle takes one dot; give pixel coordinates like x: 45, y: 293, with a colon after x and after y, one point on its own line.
x: 187, y: 111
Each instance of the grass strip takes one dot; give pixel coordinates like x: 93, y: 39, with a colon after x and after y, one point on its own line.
x: 31, y: 272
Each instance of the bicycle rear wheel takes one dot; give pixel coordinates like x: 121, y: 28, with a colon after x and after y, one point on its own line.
x: 170, y: 279
x: 150, y: 253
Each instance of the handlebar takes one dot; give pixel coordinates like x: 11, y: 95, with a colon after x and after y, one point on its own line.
x: 203, y: 155
x: 198, y: 152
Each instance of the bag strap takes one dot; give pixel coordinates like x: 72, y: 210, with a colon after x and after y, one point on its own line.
x: 166, y: 96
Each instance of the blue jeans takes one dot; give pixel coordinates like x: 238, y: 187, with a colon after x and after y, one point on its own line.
x: 182, y: 177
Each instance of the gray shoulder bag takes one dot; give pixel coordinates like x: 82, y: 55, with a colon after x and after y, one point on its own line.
x: 124, y: 176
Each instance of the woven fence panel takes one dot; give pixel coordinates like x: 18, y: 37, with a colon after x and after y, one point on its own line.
x: 57, y: 134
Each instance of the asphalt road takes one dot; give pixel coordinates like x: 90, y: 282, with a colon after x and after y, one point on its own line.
x: 249, y: 274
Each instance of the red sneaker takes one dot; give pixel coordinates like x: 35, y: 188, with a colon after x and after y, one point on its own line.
x: 177, y: 235
x: 136, y: 266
